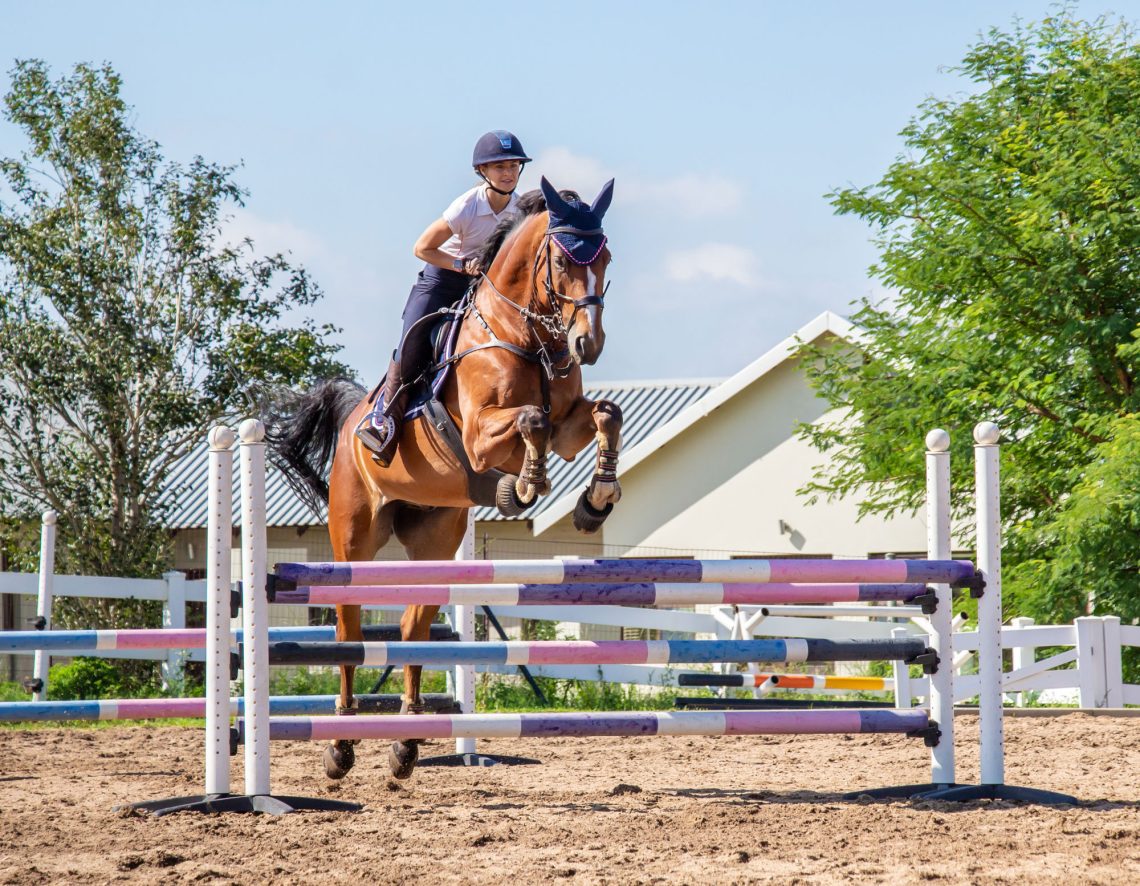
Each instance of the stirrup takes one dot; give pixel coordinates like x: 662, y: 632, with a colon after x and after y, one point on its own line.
x: 375, y: 439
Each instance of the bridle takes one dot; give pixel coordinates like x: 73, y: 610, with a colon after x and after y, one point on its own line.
x: 548, y: 317
x: 596, y: 298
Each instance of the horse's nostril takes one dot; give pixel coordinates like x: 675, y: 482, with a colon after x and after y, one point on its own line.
x: 580, y: 347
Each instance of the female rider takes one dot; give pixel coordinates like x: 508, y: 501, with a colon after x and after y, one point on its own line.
x: 447, y: 247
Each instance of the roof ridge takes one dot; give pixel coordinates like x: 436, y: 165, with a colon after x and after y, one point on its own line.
x: 656, y: 383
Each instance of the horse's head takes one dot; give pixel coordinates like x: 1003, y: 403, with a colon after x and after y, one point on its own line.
x: 576, y: 261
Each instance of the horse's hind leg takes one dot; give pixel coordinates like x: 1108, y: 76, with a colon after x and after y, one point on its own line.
x: 426, y: 535
x: 340, y: 756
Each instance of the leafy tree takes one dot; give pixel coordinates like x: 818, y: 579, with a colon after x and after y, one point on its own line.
x: 127, y: 326
x: 1009, y: 232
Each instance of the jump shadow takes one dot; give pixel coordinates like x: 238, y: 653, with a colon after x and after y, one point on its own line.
x: 742, y: 797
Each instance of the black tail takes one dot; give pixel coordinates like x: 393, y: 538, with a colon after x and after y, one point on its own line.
x: 301, y: 431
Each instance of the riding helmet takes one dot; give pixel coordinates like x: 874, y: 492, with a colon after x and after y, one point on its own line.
x: 498, y: 145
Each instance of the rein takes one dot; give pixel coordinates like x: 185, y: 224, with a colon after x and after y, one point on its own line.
x: 549, y: 320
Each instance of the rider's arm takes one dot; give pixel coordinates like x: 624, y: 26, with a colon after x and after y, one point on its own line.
x: 427, y: 247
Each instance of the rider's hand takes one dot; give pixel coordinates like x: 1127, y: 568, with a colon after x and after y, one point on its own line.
x: 472, y: 268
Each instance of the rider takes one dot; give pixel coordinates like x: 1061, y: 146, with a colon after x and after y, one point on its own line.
x: 447, y: 246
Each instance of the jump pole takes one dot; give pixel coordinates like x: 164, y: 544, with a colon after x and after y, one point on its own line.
x: 938, y: 548
x: 42, y: 662
x: 290, y: 576
x: 992, y: 786
x: 465, y: 625
x: 786, y: 595
x: 219, y: 532
x: 941, y: 640
x: 255, y: 626
x: 255, y: 630
x: 219, y: 537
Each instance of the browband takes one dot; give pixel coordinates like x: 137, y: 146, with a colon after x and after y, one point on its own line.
x: 566, y: 229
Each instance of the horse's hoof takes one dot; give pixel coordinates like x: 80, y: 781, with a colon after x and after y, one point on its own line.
x: 402, y: 758
x: 587, y: 518
x: 507, y: 499
x: 338, y: 759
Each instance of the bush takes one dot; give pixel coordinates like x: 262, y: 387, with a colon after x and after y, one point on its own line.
x: 13, y: 692
x: 91, y: 678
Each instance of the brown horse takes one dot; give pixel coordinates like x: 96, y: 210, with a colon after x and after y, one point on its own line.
x: 515, y: 393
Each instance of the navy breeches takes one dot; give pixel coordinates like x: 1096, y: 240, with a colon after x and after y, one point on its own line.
x: 434, y: 288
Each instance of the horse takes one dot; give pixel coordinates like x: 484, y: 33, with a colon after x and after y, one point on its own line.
x: 514, y: 392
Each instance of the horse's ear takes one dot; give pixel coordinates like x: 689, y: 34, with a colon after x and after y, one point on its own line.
x: 554, y: 201
x: 602, y: 201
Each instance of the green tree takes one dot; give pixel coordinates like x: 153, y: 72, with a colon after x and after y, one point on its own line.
x: 127, y: 325
x: 1008, y: 231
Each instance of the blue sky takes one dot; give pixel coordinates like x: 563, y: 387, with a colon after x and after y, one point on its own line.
x: 724, y: 124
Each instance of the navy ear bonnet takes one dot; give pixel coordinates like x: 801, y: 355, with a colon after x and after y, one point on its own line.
x: 576, y: 226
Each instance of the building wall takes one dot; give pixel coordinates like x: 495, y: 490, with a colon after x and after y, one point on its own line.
x: 722, y: 487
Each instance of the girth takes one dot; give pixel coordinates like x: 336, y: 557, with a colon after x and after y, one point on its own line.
x: 480, y: 486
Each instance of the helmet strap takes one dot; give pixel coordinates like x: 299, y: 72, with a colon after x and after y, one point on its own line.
x: 492, y: 187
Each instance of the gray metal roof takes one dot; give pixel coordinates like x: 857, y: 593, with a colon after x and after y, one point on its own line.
x: 645, y: 405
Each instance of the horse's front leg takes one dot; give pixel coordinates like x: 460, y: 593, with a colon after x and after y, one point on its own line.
x: 414, y: 625
x: 493, y: 438
x: 601, y: 419
x: 339, y: 757
x: 534, y: 428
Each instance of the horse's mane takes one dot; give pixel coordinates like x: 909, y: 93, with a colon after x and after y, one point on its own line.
x: 530, y: 203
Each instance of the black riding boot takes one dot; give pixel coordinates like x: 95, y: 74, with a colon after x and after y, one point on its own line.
x: 381, y: 433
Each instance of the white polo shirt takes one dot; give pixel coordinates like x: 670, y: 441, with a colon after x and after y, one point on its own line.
x: 472, y: 221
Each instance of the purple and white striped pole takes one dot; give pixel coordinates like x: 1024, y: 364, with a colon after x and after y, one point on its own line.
x: 600, y: 593
x: 629, y: 723
x: 426, y: 572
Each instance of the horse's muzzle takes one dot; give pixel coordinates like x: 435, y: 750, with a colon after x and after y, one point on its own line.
x: 585, y: 350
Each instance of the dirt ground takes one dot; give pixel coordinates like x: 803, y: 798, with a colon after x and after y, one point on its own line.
x: 612, y: 810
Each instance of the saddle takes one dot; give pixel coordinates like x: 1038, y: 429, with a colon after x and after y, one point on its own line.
x: 429, y: 383
x: 423, y: 401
